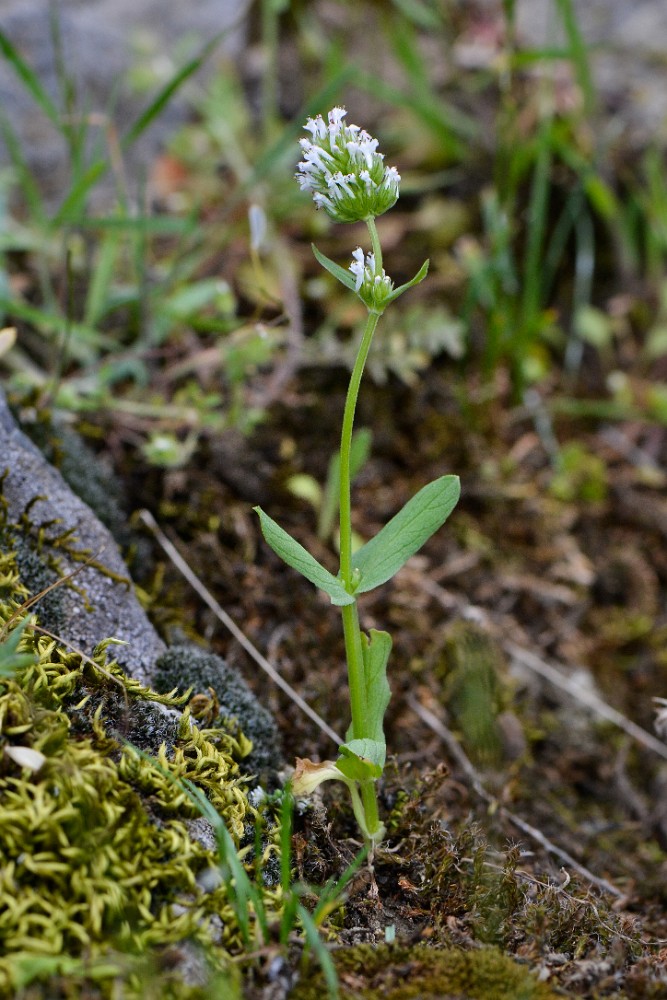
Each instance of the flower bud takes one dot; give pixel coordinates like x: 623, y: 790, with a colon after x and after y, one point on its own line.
x: 343, y: 170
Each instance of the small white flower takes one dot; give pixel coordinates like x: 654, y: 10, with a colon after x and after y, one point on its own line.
x: 343, y: 170
x: 316, y: 127
x: 357, y: 267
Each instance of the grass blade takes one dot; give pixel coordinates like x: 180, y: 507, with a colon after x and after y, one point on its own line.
x: 322, y: 99
x: 98, y: 298
x: 319, y: 949
x: 30, y: 81
x: 537, y: 222
x: 24, y: 175
x: 578, y: 52
x: 334, y: 888
x: 70, y: 209
x: 167, y: 92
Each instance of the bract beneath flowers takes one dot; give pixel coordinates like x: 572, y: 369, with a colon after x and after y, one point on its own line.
x: 343, y: 170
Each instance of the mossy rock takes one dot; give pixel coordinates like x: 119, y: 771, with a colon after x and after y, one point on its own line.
x: 87, y: 475
x: 224, y: 697
x: 391, y: 972
x: 57, y: 535
x: 104, y: 881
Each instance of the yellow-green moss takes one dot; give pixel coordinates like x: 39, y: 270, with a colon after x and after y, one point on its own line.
x: 392, y: 972
x: 99, y: 874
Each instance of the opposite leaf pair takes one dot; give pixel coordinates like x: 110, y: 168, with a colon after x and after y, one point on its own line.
x: 379, y: 559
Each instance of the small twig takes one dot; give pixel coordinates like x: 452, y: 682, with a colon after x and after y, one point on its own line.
x: 554, y: 674
x: 194, y: 581
x: 456, y: 750
x: 61, y: 581
x: 586, y: 697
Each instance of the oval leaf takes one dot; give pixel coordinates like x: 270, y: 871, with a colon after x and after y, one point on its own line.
x: 294, y: 554
x: 378, y: 560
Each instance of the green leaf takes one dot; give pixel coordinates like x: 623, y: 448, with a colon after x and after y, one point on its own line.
x: 74, y: 205
x: 362, y: 760
x: 294, y: 554
x: 168, y: 90
x: 376, y: 648
x: 378, y: 560
x: 419, y: 276
x: 340, y: 273
x: 30, y: 81
x: 10, y: 658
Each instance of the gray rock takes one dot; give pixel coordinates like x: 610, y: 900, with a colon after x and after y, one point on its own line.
x: 37, y: 493
x: 97, y: 38
x: 627, y: 55
x: 100, y: 602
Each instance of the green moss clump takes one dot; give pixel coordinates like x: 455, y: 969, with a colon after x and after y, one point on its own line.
x: 189, y: 666
x: 392, y: 972
x: 100, y: 872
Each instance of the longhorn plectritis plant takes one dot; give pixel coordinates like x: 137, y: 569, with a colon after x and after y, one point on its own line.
x: 347, y: 177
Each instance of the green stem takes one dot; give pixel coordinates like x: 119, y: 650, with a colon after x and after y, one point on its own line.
x: 366, y: 812
x: 346, y: 448
x: 355, y: 669
x: 369, y: 798
x: 375, y: 241
x: 371, y: 825
x: 351, y: 630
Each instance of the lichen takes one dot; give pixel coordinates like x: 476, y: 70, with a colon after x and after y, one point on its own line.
x: 79, y: 465
x: 389, y: 972
x: 100, y: 869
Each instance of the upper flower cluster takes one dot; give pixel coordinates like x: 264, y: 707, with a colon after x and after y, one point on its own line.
x: 343, y: 170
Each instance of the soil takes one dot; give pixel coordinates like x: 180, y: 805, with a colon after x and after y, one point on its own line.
x: 519, y: 815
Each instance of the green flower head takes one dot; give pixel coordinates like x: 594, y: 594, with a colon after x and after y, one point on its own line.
x: 343, y: 170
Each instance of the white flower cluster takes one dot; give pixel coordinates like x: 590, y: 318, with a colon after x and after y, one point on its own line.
x: 372, y: 287
x: 343, y: 170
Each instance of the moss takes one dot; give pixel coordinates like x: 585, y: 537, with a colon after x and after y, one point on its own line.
x: 100, y: 873
x: 392, y: 972
x: 189, y: 666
